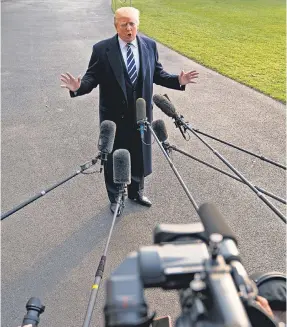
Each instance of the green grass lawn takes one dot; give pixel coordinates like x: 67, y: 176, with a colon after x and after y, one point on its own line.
x: 242, y: 39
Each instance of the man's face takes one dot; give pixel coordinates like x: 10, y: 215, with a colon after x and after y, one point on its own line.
x: 127, y: 28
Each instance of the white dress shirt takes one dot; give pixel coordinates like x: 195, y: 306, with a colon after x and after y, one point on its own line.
x: 135, y: 50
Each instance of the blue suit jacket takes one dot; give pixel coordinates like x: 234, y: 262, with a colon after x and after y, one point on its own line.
x: 106, y: 70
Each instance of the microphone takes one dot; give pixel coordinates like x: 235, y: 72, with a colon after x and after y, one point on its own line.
x: 214, y: 223
x: 106, y: 140
x: 141, y: 116
x: 166, y: 106
x: 160, y: 130
x: 121, y: 176
x: 122, y: 167
x: 221, y: 239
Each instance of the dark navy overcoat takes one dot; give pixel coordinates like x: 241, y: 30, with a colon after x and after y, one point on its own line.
x: 106, y: 69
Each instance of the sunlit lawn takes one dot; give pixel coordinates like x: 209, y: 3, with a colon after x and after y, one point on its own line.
x: 243, y: 39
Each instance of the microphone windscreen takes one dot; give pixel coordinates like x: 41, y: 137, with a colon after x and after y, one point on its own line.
x: 122, y: 166
x: 159, y: 128
x: 165, y: 105
x: 213, y: 221
x: 140, y: 109
x: 107, y: 136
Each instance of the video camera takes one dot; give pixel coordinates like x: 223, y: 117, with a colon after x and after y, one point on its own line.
x: 199, y: 260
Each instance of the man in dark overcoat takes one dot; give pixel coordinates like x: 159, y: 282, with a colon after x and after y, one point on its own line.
x: 125, y: 68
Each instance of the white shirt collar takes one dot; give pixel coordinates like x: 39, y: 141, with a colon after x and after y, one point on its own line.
x: 123, y: 43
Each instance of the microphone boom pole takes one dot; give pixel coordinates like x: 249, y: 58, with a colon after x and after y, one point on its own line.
x: 173, y: 168
x: 173, y: 147
x: 122, y: 177
x: 167, y: 107
x: 83, y: 167
x: 105, y: 146
x: 231, y: 145
x: 143, y: 122
x: 243, y: 150
x: 259, y: 194
x: 100, y: 271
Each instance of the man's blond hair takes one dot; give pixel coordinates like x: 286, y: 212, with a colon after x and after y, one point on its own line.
x: 127, y: 12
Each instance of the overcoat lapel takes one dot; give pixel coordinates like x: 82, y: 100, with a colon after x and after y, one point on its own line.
x: 114, y: 56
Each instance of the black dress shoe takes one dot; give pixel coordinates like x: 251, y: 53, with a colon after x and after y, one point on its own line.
x: 113, y: 207
x: 141, y: 199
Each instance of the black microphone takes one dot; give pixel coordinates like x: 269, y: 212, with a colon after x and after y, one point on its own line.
x: 166, y: 106
x: 122, y: 167
x: 160, y: 130
x: 121, y: 175
x: 141, y: 116
x: 213, y: 222
x: 106, y: 140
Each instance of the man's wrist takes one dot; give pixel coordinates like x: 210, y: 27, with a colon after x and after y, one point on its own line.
x: 76, y: 92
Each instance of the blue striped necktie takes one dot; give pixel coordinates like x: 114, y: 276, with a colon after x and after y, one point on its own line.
x: 131, y: 64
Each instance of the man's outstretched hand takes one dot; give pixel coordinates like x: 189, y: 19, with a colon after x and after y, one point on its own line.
x: 70, y: 82
x: 186, y: 78
x: 263, y: 303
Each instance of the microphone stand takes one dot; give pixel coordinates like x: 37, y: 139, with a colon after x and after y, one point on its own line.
x: 173, y: 167
x: 179, y: 121
x: 83, y: 167
x: 170, y: 147
x: 101, y: 266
